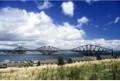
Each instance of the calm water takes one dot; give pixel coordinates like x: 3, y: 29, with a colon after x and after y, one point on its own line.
x: 17, y: 57
x: 38, y: 56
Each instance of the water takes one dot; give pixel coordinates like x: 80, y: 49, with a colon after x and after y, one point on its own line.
x: 39, y: 56
x: 18, y: 57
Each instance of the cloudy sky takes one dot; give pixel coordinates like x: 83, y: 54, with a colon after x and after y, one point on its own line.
x: 63, y: 24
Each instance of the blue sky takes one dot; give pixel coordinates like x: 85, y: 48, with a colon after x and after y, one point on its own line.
x: 99, y: 20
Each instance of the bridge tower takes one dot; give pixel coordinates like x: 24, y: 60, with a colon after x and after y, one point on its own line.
x: 20, y: 50
x: 91, y: 50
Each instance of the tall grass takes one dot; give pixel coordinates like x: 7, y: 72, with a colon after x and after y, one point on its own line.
x: 97, y: 70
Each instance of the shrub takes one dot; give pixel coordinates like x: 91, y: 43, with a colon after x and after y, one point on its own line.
x: 61, y: 60
x: 38, y: 63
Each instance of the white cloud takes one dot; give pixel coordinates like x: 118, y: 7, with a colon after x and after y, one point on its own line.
x: 81, y: 21
x: 34, y: 30
x: 68, y: 8
x: 109, y: 23
x: 114, y: 22
x: 23, y: 0
x: 89, y: 1
x: 117, y: 20
x: 112, y: 44
x: 45, y: 5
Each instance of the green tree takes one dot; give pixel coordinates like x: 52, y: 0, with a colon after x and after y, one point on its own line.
x: 38, y: 63
x: 61, y: 60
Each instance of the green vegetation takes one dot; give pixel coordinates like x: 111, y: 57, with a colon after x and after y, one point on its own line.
x: 61, y: 60
x: 97, y: 70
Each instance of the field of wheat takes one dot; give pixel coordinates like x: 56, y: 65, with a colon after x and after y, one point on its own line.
x: 94, y: 70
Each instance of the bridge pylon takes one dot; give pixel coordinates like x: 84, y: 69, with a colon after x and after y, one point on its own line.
x: 20, y: 50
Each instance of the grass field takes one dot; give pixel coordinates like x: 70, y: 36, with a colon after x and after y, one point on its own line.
x: 94, y: 70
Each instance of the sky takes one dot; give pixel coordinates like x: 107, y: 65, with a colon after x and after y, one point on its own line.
x: 64, y: 24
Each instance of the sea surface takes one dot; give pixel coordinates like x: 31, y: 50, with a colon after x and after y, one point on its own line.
x: 37, y: 56
x: 40, y: 56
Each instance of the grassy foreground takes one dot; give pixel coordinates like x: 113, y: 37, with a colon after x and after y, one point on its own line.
x: 101, y: 70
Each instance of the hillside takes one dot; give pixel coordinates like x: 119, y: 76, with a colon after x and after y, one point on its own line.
x: 101, y: 69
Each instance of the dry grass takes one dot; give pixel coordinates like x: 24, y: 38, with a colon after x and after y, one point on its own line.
x: 81, y: 70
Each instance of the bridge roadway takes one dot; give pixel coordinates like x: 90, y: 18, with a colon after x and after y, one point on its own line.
x: 85, y: 49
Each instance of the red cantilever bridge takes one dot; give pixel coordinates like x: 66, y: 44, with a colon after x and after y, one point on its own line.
x: 85, y: 49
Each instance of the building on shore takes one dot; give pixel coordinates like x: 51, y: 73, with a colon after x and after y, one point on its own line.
x: 100, y: 57
x: 3, y: 65
x: 47, y: 61
x: 17, y: 64
x: 80, y: 59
